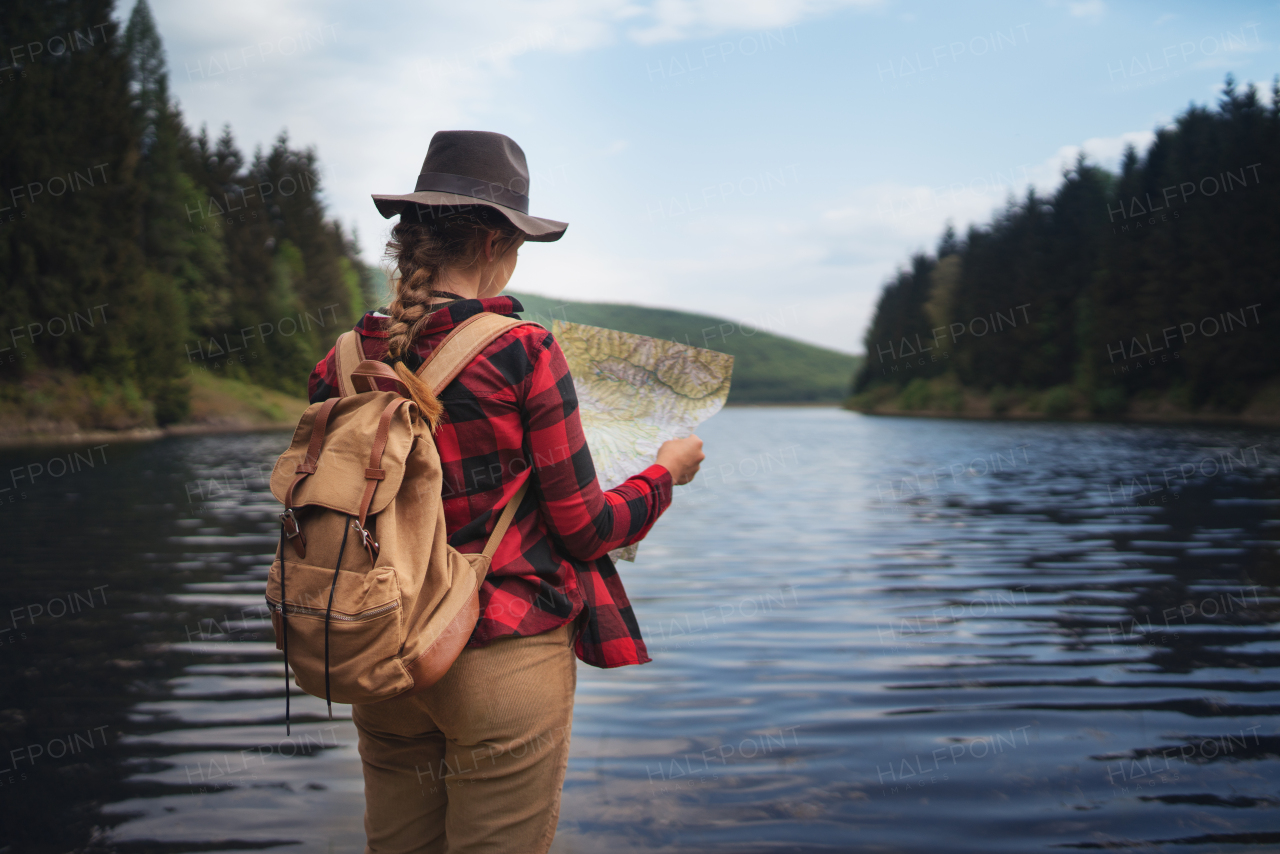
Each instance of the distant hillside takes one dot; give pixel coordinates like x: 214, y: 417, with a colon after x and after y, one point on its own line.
x: 767, y: 368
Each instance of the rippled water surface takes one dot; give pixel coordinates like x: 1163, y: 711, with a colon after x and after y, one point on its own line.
x: 868, y: 634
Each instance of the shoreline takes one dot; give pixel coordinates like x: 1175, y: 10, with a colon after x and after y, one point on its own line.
x: 218, y: 405
x: 1169, y: 419
x: 136, y: 434
x: 944, y: 397
x: 831, y: 404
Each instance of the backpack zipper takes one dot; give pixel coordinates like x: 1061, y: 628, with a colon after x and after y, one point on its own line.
x: 354, y: 618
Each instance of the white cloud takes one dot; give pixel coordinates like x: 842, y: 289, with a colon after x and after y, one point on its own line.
x: 1090, y: 9
x: 1105, y: 151
x: 678, y: 19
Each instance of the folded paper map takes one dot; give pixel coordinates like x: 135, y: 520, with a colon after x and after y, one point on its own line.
x: 635, y: 392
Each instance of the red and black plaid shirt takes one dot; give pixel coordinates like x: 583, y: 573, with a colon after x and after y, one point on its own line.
x: 512, y: 410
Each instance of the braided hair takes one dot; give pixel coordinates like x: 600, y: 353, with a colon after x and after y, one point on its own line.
x: 426, y: 242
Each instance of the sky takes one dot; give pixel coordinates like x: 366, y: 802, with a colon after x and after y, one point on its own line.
x: 772, y: 162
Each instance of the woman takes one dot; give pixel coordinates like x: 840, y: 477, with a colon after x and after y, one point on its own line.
x: 477, y: 762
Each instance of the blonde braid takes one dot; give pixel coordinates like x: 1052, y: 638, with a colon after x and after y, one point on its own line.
x: 409, y: 311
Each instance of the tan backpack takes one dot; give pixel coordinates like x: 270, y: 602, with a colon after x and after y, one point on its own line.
x: 376, y: 604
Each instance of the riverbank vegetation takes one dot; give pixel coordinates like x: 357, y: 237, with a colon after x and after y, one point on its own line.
x: 1147, y: 294
x: 140, y: 260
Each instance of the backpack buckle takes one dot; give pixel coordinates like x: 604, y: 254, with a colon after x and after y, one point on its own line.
x: 293, y: 532
x: 367, y: 540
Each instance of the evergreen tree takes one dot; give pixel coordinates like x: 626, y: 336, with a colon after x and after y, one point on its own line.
x: 176, y: 259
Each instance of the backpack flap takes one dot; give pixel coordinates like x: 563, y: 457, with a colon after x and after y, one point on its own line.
x: 339, y: 480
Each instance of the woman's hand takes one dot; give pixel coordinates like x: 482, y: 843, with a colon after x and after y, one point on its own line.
x: 681, y: 457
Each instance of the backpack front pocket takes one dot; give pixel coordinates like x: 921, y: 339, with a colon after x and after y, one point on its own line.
x: 365, y: 630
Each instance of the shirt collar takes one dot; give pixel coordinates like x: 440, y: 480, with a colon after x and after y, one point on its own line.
x: 444, y: 319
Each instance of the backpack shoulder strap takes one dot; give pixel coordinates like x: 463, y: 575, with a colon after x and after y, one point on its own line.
x: 504, y: 521
x: 349, y: 353
x: 463, y: 344
x: 455, y: 352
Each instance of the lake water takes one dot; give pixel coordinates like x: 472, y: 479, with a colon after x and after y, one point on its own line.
x: 869, y: 634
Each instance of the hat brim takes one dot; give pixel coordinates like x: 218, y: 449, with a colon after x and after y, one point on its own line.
x: 534, y: 228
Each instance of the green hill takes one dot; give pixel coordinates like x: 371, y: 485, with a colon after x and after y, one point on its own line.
x: 767, y: 368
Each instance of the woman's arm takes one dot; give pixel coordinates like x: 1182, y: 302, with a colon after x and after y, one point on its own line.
x: 589, y: 521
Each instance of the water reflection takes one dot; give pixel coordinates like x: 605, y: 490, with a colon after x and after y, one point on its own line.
x: 881, y: 634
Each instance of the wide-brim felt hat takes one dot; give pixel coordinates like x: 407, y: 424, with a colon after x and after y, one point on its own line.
x: 464, y: 168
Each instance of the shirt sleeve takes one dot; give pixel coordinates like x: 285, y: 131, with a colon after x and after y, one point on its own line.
x: 323, y: 383
x: 589, y: 521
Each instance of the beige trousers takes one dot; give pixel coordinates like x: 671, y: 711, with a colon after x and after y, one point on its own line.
x: 476, y: 762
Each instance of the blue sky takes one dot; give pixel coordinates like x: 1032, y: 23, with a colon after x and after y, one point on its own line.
x: 768, y: 161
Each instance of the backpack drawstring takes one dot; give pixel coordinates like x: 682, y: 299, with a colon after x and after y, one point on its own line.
x: 284, y: 630
x: 346, y: 529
